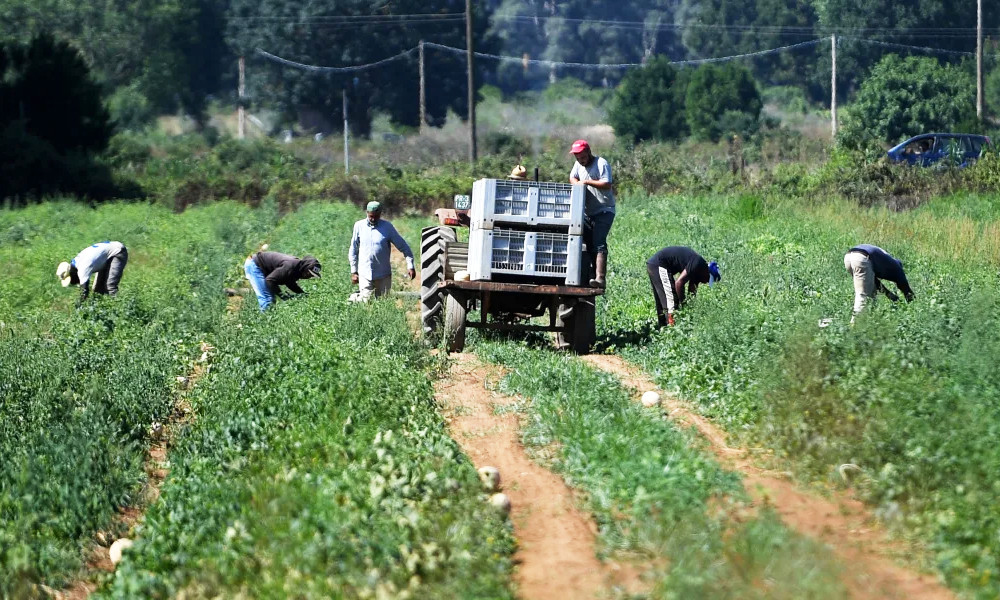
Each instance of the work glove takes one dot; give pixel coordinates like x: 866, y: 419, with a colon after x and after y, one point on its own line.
x: 670, y: 320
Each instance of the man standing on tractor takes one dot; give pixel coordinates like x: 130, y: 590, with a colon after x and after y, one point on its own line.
x: 369, y: 254
x: 869, y: 265
x: 595, y: 173
x: 671, y: 268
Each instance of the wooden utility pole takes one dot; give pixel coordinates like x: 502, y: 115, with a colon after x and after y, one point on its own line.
x: 347, y: 149
x: 833, y: 84
x: 979, y: 59
x: 241, y: 111
x: 423, y: 90
x: 470, y: 67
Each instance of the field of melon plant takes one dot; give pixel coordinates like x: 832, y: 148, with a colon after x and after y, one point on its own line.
x: 315, y: 462
x: 909, y: 393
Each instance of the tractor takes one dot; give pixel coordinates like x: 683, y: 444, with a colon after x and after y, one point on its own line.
x: 524, y: 257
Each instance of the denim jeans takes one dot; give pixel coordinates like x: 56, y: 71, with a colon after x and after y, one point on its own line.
x: 598, y: 228
x: 256, y: 278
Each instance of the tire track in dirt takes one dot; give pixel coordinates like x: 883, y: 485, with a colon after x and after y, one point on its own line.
x: 841, y: 522
x: 556, y: 555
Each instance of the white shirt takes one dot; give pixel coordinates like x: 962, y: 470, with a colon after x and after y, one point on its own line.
x: 93, y: 258
x: 369, y: 250
x: 598, y: 201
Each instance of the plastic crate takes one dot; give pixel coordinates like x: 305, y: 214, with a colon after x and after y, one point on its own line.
x: 502, y: 201
x: 530, y: 253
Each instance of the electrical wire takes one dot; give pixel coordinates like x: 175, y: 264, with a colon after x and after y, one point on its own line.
x: 318, y: 69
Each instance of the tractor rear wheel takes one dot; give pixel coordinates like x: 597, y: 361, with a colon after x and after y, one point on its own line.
x: 432, y: 263
x: 454, y: 324
x: 579, y: 327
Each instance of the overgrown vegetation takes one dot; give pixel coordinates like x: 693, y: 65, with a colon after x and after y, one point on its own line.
x: 81, y: 389
x: 905, y: 393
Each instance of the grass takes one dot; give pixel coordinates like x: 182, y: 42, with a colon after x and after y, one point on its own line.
x: 908, y: 393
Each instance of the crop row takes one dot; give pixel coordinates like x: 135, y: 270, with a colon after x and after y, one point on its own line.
x: 655, y: 492
x: 81, y: 388
x: 909, y: 393
x: 317, y: 465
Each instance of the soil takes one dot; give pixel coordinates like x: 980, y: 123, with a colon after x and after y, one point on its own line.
x: 841, y: 522
x: 557, y: 548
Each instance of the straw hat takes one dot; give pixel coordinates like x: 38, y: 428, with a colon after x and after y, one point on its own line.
x: 518, y: 172
x: 63, y: 273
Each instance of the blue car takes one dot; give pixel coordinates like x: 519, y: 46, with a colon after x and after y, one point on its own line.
x: 929, y: 148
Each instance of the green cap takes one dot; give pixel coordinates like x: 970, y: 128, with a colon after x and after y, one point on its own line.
x: 374, y: 206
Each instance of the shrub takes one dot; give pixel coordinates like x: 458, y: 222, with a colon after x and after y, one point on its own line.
x: 714, y: 90
x: 649, y: 103
x: 907, y: 96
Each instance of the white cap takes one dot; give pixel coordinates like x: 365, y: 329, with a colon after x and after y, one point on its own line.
x: 63, y: 273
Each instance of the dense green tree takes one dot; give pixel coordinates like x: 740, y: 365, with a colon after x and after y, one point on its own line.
x: 342, y: 33
x: 52, y: 120
x: 649, y: 103
x: 583, y: 31
x: 172, y: 51
x: 714, y: 93
x: 945, y: 24
x: 906, y: 96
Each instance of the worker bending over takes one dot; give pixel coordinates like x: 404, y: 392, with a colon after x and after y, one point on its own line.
x: 267, y: 271
x: 669, y: 270
x: 369, y: 254
x: 870, y: 265
x: 106, y: 259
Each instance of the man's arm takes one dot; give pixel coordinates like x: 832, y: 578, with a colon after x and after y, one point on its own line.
x: 352, y: 253
x: 881, y: 287
x: 278, y: 277
x: 294, y: 286
x: 572, y: 175
x: 401, y: 245
x: 904, y: 286
x: 604, y: 183
x: 84, y: 290
x: 679, y: 286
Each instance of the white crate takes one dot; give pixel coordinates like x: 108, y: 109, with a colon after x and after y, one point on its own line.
x: 531, y: 253
x: 502, y: 201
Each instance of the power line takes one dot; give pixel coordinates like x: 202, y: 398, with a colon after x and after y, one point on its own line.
x: 351, y: 18
x: 318, y: 69
x: 773, y: 29
x: 576, y: 65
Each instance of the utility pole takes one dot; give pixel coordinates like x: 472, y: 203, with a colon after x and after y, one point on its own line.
x: 833, y: 85
x: 423, y: 90
x: 979, y: 59
x: 347, y: 149
x: 470, y: 67
x: 241, y: 111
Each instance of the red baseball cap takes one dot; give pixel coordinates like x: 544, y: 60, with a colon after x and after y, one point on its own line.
x: 579, y: 146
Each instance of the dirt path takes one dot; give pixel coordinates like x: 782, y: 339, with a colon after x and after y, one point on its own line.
x: 556, y: 553
x: 841, y: 522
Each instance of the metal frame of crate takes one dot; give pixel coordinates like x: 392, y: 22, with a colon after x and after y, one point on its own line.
x: 502, y: 201
x: 532, y: 253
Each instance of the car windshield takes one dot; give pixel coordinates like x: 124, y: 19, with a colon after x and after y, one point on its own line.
x: 918, y: 146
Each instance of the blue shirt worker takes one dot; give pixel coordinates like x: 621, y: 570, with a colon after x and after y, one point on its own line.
x: 869, y: 265
x: 105, y: 259
x: 595, y: 173
x: 369, y: 254
x: 268, y: 271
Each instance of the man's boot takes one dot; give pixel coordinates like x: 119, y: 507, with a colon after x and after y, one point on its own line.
x: 601, y: 266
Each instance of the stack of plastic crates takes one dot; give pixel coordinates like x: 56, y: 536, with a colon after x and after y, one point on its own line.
x: 525, y: 230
